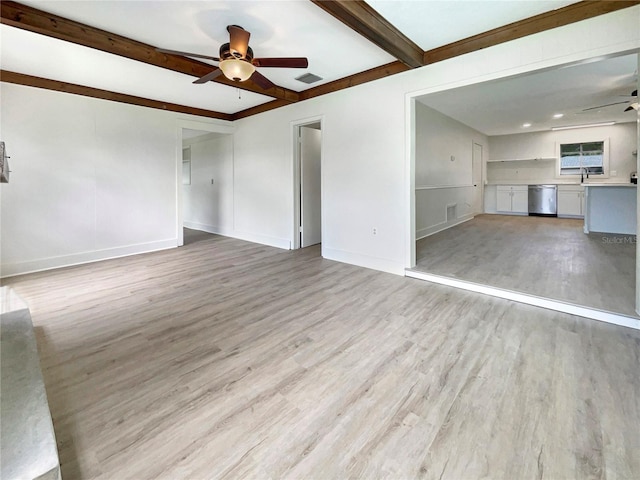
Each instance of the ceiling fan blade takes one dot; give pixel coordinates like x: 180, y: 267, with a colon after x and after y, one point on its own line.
x: 602, y: 106
x: 289, y: 62
x: 633, y: 94
x: 628, y: 109
x: 186, y: 54
x: 262, y: 81
x: 209, y: 76
x: 238, y: 40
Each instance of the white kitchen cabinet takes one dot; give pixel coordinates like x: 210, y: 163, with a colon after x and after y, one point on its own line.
x: 490, y: 199
x: 570, y: 201
x: 503, y: 199
x: 512, y: 199
x: 520, y: 201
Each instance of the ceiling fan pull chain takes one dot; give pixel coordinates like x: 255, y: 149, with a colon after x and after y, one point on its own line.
x: 239, y: 94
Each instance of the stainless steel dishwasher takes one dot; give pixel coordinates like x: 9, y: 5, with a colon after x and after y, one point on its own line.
x: 543, y: 200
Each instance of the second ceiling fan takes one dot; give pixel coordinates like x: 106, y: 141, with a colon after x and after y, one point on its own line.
x: 634, y: 105
x: 238, y: 63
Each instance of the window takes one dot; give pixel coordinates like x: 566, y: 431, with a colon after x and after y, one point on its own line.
x: 582, y: 158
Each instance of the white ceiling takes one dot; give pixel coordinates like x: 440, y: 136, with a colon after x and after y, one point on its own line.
x: 434, y: 23
x: 502, y: 107
x: 278, y: 28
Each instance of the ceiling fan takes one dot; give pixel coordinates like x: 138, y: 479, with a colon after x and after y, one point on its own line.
x: 633, y: 106
x: 237, y: 62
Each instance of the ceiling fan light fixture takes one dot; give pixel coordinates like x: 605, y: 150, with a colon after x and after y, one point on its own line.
x: 237, y: 70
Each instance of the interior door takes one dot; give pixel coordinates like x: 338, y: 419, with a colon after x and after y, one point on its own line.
x: 310, y: 187
x: 478, y: 204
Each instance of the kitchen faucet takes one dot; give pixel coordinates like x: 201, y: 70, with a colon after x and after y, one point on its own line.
x: 582, y: 171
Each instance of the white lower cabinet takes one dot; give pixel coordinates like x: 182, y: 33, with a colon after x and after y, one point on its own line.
x: 571, y: 201
x: 512, y: 199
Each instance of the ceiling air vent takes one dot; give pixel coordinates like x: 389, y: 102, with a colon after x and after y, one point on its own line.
x: 309, y: 78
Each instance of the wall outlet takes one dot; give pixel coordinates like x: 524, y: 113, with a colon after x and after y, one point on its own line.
x: 375, y: 231
x: 212, y: 181
x: 614, y: 173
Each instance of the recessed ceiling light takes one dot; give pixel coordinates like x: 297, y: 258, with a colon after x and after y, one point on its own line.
x: 526, y: 125
x: 558, y: 115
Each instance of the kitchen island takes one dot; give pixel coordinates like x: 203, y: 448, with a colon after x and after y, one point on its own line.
x: 27, y: 440
x: 610, y: 208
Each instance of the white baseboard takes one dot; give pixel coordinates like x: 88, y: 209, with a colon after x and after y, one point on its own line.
x: 365, y: 261
x: 425, y: 232
x: 557, y: 305
x: 276, y: 242
x: 227, y: 232
x: 49, y: 263
x: 328, y: 253
x: 283, y: 243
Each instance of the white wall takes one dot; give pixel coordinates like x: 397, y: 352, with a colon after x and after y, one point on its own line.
x: 207, y: 206
x: 443, y: 149
x: 366, y: 157
x: 441, y: 181
x: 362, y: 173
x: 623, y: 140
x: 91, y: 179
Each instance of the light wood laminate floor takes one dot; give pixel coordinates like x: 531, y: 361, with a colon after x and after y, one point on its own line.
x: 547, y: 257
x: 226, y: 359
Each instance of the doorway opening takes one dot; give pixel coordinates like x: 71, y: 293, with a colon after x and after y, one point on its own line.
x: 204, y: 189
x: 495, y: 252
x: 307, y: 184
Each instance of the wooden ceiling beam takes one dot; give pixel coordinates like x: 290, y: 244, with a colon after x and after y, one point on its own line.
x: 265, y: 107
x: 38, y: 82
x: 353, y: 80
x: 363, y: 19
x: 38, y: 21
x: 539, y: 23
x: 336, y: 85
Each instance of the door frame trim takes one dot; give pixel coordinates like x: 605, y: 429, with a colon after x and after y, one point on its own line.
x: 480, y: 184
x: 295, y: 178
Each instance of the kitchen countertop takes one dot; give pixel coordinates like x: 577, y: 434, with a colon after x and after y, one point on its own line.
x: 27, y: 439
x: 610, y: 185
x: 585, y: 184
